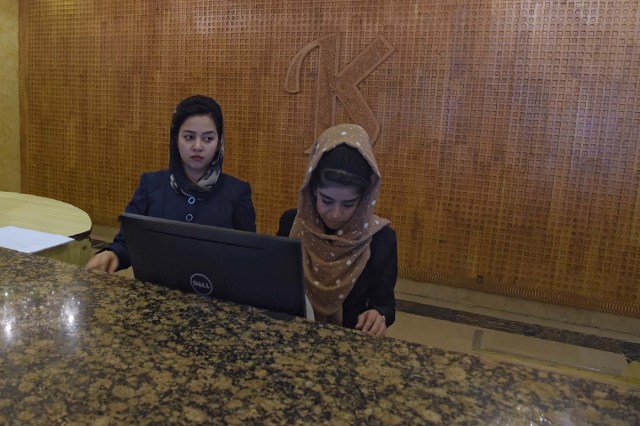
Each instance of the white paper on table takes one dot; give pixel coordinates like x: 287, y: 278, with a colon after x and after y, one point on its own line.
x: 28, y: 240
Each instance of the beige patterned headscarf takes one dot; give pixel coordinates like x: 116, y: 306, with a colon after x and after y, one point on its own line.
x: 333, y: 263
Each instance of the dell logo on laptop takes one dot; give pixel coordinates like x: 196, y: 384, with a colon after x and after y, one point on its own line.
x: 201, y: 284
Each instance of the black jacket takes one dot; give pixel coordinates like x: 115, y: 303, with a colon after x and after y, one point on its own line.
x: 374, y: 289
x: 228, y: 206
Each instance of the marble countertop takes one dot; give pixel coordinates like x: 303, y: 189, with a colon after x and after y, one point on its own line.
x: 84, y: 347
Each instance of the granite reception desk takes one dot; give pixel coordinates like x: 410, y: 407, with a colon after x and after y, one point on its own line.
x: 85, y: 347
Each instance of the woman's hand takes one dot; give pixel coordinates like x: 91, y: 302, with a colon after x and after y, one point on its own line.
x: 105, y: 261
x: 372, y: 322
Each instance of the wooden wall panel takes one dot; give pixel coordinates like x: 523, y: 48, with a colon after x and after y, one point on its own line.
x: 507, y: 131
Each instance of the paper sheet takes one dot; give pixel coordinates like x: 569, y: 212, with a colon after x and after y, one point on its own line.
x: 28, y: 240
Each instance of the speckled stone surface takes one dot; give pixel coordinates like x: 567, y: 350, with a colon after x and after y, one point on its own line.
x: 80, y: 347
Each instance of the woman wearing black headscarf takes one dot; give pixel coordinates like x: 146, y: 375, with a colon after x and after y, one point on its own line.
x: 193, y: 189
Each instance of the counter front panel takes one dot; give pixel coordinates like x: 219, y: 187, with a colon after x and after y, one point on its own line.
x: 80, y: 346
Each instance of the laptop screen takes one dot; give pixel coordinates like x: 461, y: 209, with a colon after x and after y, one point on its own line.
x: 242, y: 267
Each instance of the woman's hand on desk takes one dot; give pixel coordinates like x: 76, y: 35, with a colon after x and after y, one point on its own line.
x: 105, y: 261
x: 372, y: 322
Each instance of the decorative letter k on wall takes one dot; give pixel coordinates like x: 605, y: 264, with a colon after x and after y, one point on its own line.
x: 333, y: 84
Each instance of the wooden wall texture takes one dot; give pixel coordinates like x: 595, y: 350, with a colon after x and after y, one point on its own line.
x: 506, y: 130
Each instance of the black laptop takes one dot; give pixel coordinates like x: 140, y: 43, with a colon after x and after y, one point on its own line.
x: 242, y: 267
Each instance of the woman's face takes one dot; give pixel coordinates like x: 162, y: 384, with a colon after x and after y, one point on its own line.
x: 198, y: 144
x: 336, y: 204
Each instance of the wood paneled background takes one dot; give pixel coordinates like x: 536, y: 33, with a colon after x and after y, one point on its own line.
x: 507, y: 131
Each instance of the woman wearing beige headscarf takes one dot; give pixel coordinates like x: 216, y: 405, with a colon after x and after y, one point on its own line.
x: 349, y: 253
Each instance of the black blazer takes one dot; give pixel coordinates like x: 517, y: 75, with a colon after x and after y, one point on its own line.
x: 228, y: 206
x: 374, y: 289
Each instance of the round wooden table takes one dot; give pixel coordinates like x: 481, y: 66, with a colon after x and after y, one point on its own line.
x: 52, y: 216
